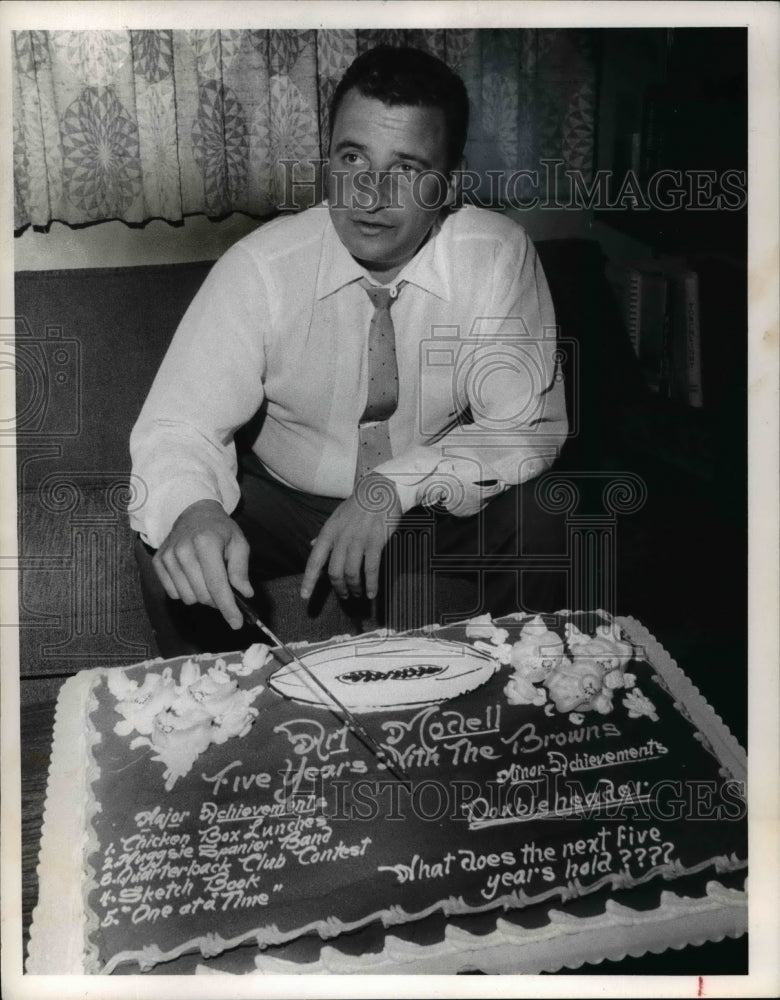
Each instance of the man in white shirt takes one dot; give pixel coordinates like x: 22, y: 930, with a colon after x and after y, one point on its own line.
x: 277, y: 341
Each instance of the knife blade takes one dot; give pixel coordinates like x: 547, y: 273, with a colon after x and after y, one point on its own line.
x: 251, y: 616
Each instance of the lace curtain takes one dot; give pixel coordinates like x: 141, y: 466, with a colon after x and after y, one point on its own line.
x: 136, y: 125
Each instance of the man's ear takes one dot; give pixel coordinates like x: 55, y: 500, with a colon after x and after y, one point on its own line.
x: 454, y: 180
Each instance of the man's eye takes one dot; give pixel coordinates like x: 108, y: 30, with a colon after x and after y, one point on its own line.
x: 352, y: 158
x: 406, y: 168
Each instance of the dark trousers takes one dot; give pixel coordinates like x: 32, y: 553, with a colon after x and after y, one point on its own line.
x: 501, y: 550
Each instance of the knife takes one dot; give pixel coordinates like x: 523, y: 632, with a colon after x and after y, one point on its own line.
x: 251, y: 616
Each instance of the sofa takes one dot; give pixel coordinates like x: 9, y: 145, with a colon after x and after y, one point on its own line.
x: 88, y: 343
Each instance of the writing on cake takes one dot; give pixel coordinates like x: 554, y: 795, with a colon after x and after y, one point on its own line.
x: 541, y: 771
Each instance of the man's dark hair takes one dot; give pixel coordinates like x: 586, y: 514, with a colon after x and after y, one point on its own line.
x: 406, y: 76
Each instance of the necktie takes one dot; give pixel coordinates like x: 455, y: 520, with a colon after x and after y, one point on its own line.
x: 374, y: 444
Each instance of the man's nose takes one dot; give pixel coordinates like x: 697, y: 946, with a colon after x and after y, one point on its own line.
x: 380, y: 188
x: 385, y: 187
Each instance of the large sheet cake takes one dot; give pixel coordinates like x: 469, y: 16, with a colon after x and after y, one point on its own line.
x: 571, y: 797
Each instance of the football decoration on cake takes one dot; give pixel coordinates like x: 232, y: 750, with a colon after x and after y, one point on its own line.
x: 393, y: 672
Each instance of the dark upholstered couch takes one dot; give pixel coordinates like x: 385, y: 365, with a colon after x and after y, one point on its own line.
x: 88, y: 344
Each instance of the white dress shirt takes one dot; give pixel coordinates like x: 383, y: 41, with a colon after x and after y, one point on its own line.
x: 281, y: 324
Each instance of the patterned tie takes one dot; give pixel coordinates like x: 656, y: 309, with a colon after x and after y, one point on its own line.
x: 382, y: 398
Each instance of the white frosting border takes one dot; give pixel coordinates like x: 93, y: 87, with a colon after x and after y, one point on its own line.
x: 564, y: 942
x: 58, y: 934
x: 685, y: 693
x: 65, y: 845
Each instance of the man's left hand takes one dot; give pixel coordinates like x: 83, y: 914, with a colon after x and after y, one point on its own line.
x: 353, y: 538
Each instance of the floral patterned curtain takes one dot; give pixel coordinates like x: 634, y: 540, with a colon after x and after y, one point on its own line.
x: 136, y: 125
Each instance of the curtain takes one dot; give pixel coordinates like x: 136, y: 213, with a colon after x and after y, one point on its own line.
x: 137, y: 125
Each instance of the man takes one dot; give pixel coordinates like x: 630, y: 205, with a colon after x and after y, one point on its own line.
x: 290, y: 336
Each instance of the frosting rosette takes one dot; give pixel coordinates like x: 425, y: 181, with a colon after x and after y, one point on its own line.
x: 538, y: 651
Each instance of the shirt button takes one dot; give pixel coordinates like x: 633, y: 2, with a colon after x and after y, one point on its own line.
x: 394, y: 292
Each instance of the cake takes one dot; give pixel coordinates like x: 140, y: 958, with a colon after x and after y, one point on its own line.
x: 570, y: 797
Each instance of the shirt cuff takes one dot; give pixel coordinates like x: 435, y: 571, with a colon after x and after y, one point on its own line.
x: 153, y: 521
x: 461, y: 485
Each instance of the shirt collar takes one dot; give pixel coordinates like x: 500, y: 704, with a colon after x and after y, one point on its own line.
x: 428, y: 269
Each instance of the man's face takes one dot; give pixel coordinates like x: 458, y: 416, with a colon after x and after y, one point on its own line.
x: 383, y: 202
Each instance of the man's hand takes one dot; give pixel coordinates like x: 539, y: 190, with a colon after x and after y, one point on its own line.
x: 202, y: 556
x: 352, y: 540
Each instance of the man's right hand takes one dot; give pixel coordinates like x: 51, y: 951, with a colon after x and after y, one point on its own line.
x: 204, y: 554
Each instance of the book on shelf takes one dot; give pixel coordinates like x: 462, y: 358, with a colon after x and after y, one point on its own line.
x: 652, y: 145
x: 686, y: 338
x: 659, y: 303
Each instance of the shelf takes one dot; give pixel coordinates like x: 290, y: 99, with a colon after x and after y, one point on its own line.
x: 676, y: 100
x: 681, y: 231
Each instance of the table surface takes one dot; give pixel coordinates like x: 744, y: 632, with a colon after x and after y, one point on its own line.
x: 727, y: 957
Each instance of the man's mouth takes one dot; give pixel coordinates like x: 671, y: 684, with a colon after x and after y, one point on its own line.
x: 371, y: 227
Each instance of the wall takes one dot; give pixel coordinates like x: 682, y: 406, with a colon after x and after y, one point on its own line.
x: 115, y: 244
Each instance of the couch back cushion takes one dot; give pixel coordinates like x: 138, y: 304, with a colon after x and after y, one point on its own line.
x: 89, y: 343
x: 603, y: 380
